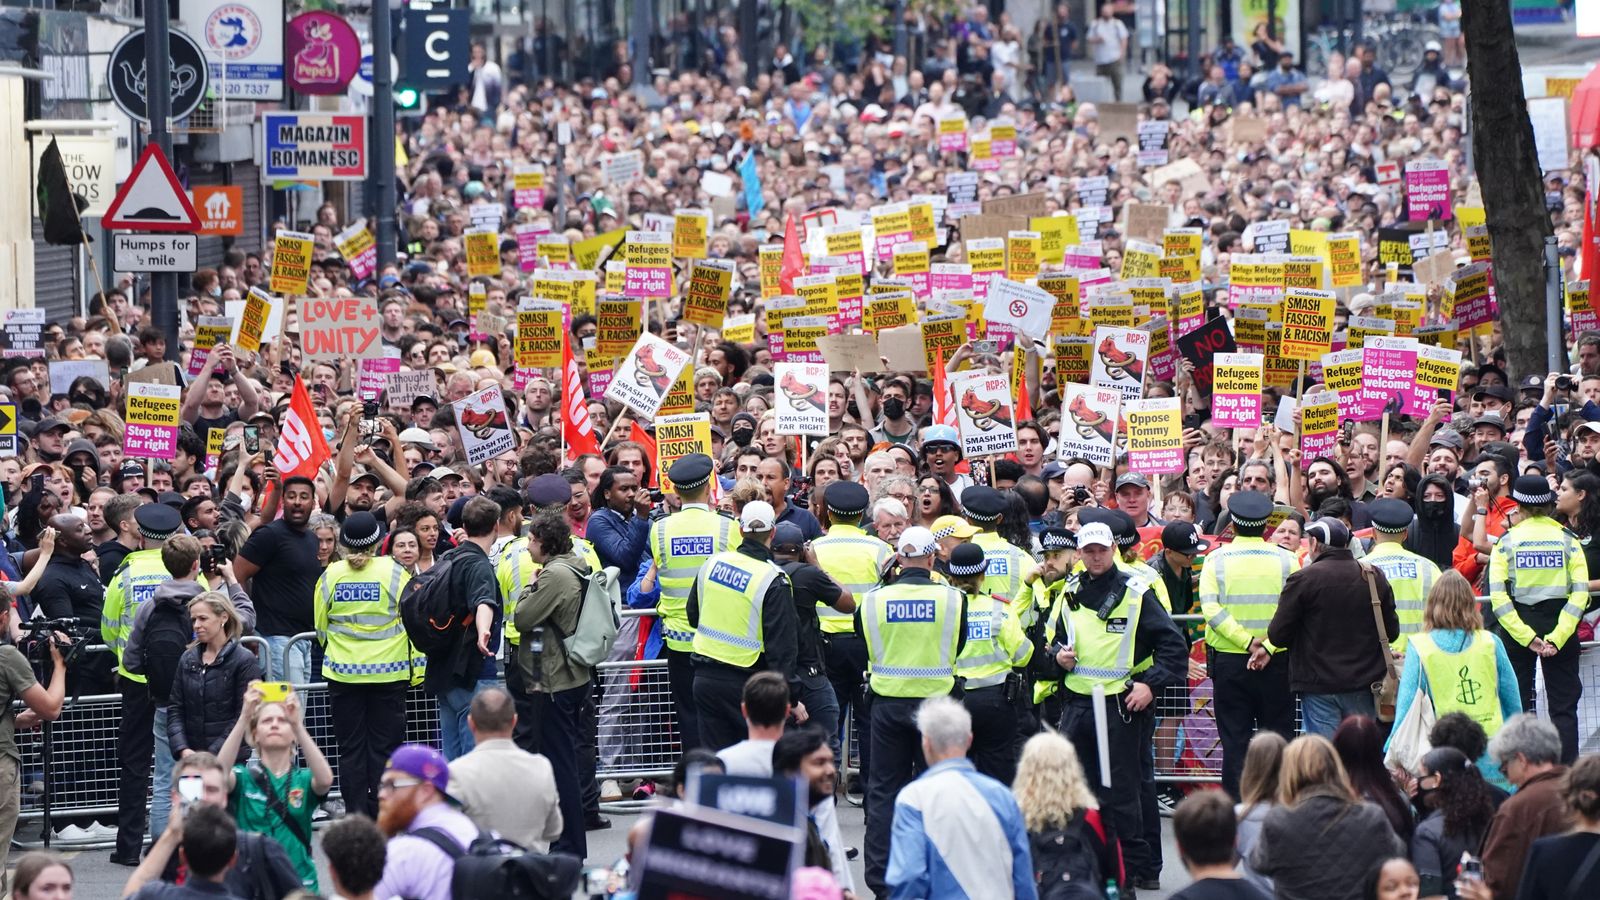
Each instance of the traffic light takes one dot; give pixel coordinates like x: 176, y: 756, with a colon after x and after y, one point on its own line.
x: 408, y: 101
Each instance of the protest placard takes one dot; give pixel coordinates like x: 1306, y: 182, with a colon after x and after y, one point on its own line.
x: 340, y: 328
x: 622, y: 169
x: 690, y: 228
x: 802, y: 338
x: 851, y: 353
x: 208, y: 330
x: 1155, y: 435
x: 739, y: 329
x: 1120, y: 355
x: 1319, y: 427
x: 556, y: 250
x: 1307, y: 324
x: 1024, y: 308
x: 942, y: 334
x: 482, y: 247
x: 1271, y: 236
x: 984, y: 413
x: 1427, y: 190
x: 1341, y: 373
x: 1154, y: 135
x: 1236, y: 390
x: 1470, y: 294
x: 912, y: 261
x: 884, y: 311
x: 705, y: 301
x: 373, y: 374
x: 953, y: 134
x: 405, y: 387
x: 1438, y: 374
x: 527, y: 186
x: 599, y: 367
x: 649, y: 272
x: 63, y: 372
x: 679, y: 436
x: 802, y: 398
x: 1090, y: 428
x: 617, y: 323
x: 1344, y: 259
x: 151, y: 429
x: 1201, y: 344
x: 1303, y: 272
x: 1389, y: 373
x: 1141, y: 259
x: 483, y: 426
x: 527, y: 237
x: 1190, y: 176
x: 291, y: 262
x: 643, y: 378
x: 1022, y: 255
x: 359, y: 249
x: 540, y: 337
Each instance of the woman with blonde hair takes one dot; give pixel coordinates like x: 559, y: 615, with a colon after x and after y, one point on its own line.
x: 1461, y: 665
x: 41, y: 875
x: 1258, y: 793
x: 208, y: 688
x: 1062, y: 815
x: 1319, y: 835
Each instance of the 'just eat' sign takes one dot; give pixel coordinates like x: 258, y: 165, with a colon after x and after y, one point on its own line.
x: 340, y: 328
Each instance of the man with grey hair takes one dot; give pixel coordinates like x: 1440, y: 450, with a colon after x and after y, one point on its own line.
x: 966, y: 821
x: 502, y: 787
x: 1528, y: 751
x: 878, y: 465
x: 889, y: 519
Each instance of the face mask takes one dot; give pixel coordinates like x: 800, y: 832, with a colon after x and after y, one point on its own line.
x: 327, y: 433
x: 742, y: 436
x: 1436, y: 509
x: 1420, y: 801
x: 894, y: 407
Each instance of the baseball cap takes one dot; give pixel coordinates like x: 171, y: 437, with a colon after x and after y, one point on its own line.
x: 916, y: 541
x: 1183, y: 537
x: 757, y: 516
x: 1095, y: 533
x: 1134, y: 478
x: 415, y: 435
x: 426, y: 763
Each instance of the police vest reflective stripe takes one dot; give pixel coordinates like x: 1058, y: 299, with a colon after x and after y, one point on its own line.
x: 133, y: 585
x: 911, y: 632
x: 984, y: 660
x: 1105, y: 646
x: 358, y: 623
x: 1466, y: 682
x: 731, y: 590
x: 681, y: 544
x: 853, y: 558
x: 514, y: 570
x: 1411, y: 577
x: 1239, y: 589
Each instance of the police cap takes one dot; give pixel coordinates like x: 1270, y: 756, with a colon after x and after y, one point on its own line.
x: 1390, y: 516
x: 983, y: 503
x: 157, y: 521
x: 690, y: 473
x: 967, y: 559
x: 846, y: 498
x: 1249, y: 508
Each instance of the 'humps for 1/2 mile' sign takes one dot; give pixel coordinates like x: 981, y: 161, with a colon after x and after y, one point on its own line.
x: 313, y: 147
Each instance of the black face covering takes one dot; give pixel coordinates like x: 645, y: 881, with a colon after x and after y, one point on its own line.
x: 742, y: 436
x: 1420, y: 801
x: 1435, y: 509
x: 894, y: 407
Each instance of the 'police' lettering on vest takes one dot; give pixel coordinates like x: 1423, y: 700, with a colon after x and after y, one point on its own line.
x: 999, y: 563
x: 909, y: 610
x: 980, y: 626
x: 357, y: 592
x: 1541, y: 559
x: 729, y: 576
x: 1397, y: 568
x: 692, y: 546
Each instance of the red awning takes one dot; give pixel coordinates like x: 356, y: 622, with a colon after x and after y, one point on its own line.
x: 1585, y: 111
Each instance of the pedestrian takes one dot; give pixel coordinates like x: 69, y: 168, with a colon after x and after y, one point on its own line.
x: 1328, y: 619
x: 1206, y: 832
x: 209, y: 846
x: 424, y: 823
x: 1456, y: 806
x: 501, y: 787
x: 1527, y: 750
x: 1360, y: 748
x: 680, y: 544
x: 995, y: 649
x: 914, y: 629
x: 1320, y: 833
x: 813, y: 590
x: 1258, y: 794
x: 41, y: 875
x: 1108, y: 47
x: 356, y: 857
x: 1074, y: 851
x: 1563, y: 865
x: 552, y: 606
x: 803, y: 753
x: 366, y: 657
x: 1239, y: 590
x: 69, y: 586
x: 212, y: 675
x: 766, y: 707
x: 468, y: 666
x: 956, y: 831
x: 1539, y: 589
x: 279, y: 565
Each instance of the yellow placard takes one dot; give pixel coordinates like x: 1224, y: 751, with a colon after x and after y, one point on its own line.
x: 616, y: 276
x: 770, y: 258
x: 1056, y: 234
x: 1344, y: 260
x: 690, y: 231
x: 482, y: 246
x: 1141, y: 259
x: 555, y: 248
x: 986, y: 255
x: 1073, y: 358
x: 1307, y: 324
x: 922, y: 227
x: 941, y: 335
x: 354, y: 242
x: 586, y: 253
x: 1022, y: 255
x: 1179, y: 269
x: 705, y: 302
x: 617, y: 325
x: 911, y: 258
x: 1479, y: 247
x: 144, y: 409
x: 1303, y: 272
x: 1303, y: 242
x: 821, y: 294
x: 253, y: 321
x: 740, y: 329
x: 680, y: 398
x: 1182, y: 242
x: 889, y: 311
x: 291, y: 263
x: 539, y: 335
x: 677, y: 437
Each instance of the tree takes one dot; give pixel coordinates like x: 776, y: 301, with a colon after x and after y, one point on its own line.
x: 1508, y: 172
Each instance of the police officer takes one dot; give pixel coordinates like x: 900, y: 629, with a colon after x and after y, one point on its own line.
x: 995, y: 646
x: 742, y: 610
x: 132, y: 584
x: 1010, y: 567
x: 1411, y: 576
x: 1105, y: 620
x: 1239, y: 588
x: 681, y: 544
x: 367, y: 659
x: 1539, y: 588
x: 915, y: 630
x: 1059, y: 555
x: 856, y: 560
x: 813, y: 590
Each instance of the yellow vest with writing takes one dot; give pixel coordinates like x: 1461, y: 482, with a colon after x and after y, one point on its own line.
x: 134, y: 583
x: 853, y: 558
x: 730, y: 589
x: 1412, y: 577
x: 912, y: 631
x: 1239, y: 589
x: 681, y: 544
x: 357, y: 618
x: 995, y: 643
x: 1009, y: 568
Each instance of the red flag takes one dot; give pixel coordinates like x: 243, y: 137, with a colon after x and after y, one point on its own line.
x: 638, y: 435
x: 1024, y: 402
x: 301, y: 448
x: 944, y: 408
x: 577, y: 432
x: 1589, y: 255
x: 794, y: 257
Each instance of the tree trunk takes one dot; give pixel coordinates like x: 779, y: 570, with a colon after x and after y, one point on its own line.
x: 1508, y: 173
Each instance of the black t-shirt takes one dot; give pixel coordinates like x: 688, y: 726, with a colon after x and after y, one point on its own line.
x: 1221, y: 889
x: 811, y: 586
x: 282, y: 589
x: 1553, y: 863
x: 203, y: 425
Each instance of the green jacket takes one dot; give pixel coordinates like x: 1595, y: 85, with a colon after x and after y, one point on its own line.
x: 556, y: 598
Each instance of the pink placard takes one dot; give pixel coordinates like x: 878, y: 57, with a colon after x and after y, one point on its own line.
x: 528, y: 247
x: 1388, y: 372
x: 375, y: 376
x: 152, y: 441
x: 1427, y: 190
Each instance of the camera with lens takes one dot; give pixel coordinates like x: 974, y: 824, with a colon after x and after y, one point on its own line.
x: 212, y: 558
x: 1080, y: 494
x: 1565, y: 383
x: 38, y: 634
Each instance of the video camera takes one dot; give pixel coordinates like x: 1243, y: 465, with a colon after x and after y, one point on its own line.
x: 38, y: 634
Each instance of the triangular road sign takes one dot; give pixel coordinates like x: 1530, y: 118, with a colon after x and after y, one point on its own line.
x: 151, y: 199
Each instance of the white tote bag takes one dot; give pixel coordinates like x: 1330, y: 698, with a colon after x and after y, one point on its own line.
x: 1409, y: 741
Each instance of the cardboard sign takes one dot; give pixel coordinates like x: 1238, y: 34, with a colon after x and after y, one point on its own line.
x: 1120, y: 356
x: 1201, y: 345
x: 1236, y: 390
x: 482, y: 246
x: 1090, y: 428
x: 540, y: 336
x: 643, y: 378
x: 677, y: 437
x: 208, y: 331
x: 1428, y: 190
x: 359, y: 249
x: 1023, y: 205
x: 1022, y: 307
x: 291, y: 262
x: 649, y: 272
x: 1307, y: 324
x: 151, y: 430
x: 483, y: 426
x: 63, y: 372
x: 705, y: 301
x: 984, y: 413
x: 851, y: 353
x: 1191, y: 178
x: 1119, y: 120
x: 340, y: 328
x: 1319, y: 427
x: 1155, y: 436
x: 404, y: 388
x: 1148, y: 222
x: 802, y: 398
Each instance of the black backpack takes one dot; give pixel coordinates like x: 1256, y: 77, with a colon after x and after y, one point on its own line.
x: 433, y: 616
x: 167, y: 634
x: 1067, y: 863
x: 493, y: 868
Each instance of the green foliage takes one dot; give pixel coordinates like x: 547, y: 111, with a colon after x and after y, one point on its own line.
x: 829, y: 21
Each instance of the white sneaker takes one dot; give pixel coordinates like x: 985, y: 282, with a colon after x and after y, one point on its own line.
x: 72, y: 834
x: 101, y: 831
x: 610, y: 791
